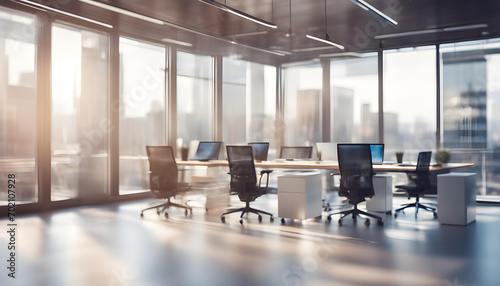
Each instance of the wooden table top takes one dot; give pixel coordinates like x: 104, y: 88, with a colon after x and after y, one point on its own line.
x: 327, y: 165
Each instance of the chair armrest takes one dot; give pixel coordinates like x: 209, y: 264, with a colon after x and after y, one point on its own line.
x: 262, y: 173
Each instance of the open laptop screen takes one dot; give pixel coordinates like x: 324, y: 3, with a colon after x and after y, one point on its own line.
x: 207, y: 151
x: 377, y: 153
x: 260, y: 150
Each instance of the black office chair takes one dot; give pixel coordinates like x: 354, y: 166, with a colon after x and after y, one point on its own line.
x: 163, y: 181
x: 244, y: 180
x: 420, y: 183
x: 296, y: 152
x: 356, y: 179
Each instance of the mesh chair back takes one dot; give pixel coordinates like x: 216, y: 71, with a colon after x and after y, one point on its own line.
x: 296, y: 152
x: 423, y: 176
x: 356, y: 171
x: 163, y: 177
x: 242, y: 170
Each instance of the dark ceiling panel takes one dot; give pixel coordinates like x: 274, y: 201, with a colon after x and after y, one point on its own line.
x: 348, y: 24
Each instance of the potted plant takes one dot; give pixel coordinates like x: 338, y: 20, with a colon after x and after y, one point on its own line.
x: 399, y: 156
x: 184, y: 152
x: 442, y: 156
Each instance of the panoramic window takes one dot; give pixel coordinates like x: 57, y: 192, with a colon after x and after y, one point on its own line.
x: 302, y: 96
x: 18, y: 106
x: 354, y: 99
x: 80, y: 122
x: 410, y: 101
x: 195, y: 88
x: 249, y: 102
x: 142, y: 110
x: 471, y: 100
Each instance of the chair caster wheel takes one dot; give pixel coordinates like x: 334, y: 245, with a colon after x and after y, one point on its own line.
x: 166, y: 215
x: 260, y: 218
x: 380, y: 223
x: 223, y: 219
x: 271, y: 219
x: 435, y: 215
x: 329, y: 218
x: 395, y: 215
x: 186, y: 212
x: 158, y: 212
x: 282, y: 221
x: 241, y: 221
x: 142, y: 215
x: 340, y: 222
x: 367, y: 222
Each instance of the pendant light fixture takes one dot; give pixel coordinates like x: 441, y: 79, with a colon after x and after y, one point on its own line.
x: 326, y: 40
x: 289, y: 34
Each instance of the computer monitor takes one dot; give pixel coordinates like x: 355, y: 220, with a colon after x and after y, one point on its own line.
x: 207, y: 150
x: 260, y: 150
x: 328, y: 151
x: 296, y: 152
x: 377, y: 153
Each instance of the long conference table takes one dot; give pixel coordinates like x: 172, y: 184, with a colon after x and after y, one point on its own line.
x: 329, y: 165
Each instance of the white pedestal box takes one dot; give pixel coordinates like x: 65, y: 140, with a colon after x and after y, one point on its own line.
x: 382, y: 200
x: 456, y: 198
x: 299, y: 195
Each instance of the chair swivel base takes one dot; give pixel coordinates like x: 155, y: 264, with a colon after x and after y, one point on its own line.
x: 417, y: 205
x: 166, y: 205
x: 244, y: 210
x: 355, y: 213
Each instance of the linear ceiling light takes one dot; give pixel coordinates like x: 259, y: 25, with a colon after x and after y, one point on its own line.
x: 65, y: 13
x: 238, y: 13
x: 341, y: 55
x: 368, y: 7
x: 464, y: 28
x: 430, y: 31
x: 181, y: 43
x: 123, y: 11
x: 326, y: 40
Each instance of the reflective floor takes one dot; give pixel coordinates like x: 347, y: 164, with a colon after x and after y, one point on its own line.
x: 113, y: 245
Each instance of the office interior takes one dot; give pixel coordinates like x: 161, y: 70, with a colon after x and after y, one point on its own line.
x: 86, y: 85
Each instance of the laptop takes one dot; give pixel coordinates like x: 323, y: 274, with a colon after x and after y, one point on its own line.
x: 377, y: 153
x: 207, y: 150
x: 260, y: 150
x: 328, y: 151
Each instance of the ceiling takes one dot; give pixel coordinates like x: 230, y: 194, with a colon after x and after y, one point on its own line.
x: 348, y: 24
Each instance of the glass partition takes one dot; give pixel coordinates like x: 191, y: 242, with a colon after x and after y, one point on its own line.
x: 18, y: 102
x: 142, y: 110
x: 80, y: 124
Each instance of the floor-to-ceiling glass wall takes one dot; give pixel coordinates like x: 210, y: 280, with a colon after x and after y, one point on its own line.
x: 302, y: 98
x: 142, y: 109
x: 249, y: 103
x: 80, y: 121
x: 354, y: 99
x: 17, y: 107
x: 195, y: 89
x: 471, y: 101
x: 410, y: 101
